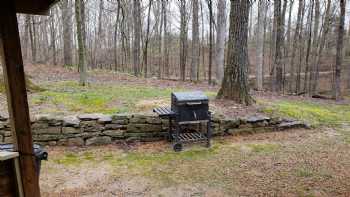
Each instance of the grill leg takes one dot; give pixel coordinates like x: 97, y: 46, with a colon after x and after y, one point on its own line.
x: 177, y: 145
x: 208, y: 132
x: 170, y: 135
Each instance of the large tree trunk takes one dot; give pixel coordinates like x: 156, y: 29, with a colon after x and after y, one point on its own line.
x: 81, y: 45
x: 277, y: 85
x: 260, y: 45
x: 301, y: 52
x: 33, y: 38
x: 183, y: 40
x: 211, y: 22
x: 235, y: 82
x: 309, y: 42
x: 195, y: 40
x: 53, y: 37
x: 137, y: 36
x: 220, y: 40
x: 145, y: 49
x: 315, y: 44
x: 67, y: 32
x: 165, y: 39
x: 322, y: 42
x: 340, y: 46
x: 294, y: 47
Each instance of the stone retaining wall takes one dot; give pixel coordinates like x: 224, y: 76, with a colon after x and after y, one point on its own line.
x: 97, y: 129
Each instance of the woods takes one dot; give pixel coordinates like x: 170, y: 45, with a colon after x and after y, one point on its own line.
x: 293, y: 47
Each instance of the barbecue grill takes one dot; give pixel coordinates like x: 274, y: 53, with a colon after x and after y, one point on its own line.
x: 187, y: 108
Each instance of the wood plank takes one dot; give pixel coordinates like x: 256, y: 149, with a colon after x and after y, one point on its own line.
x: 8, y: 155
x: 11, y: 60
x: 39, y: 7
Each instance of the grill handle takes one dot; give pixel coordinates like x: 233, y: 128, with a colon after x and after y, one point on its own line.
x: 193, y: 103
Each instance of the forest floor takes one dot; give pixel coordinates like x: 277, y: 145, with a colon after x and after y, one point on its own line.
x: 312, y: 162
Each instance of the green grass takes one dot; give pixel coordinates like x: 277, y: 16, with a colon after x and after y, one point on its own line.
x: 108, y: 99
x: 315, y: 113
x: 263, y: 148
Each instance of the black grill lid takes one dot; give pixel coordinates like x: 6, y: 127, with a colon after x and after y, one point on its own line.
x: 190, y: 96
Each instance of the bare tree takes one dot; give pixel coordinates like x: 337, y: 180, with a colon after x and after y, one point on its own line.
x: 183, y: 39
x: 137, y: 36
x: 67, y: 32
x: 260, y: 45
x: 211, y: 22
x: 340, y: 46
x: 235, y: 82
x: 195, y: 40
x: 220, y: 40
x: 81, y: 46
x: 145, y: 49
x: 277, y: 85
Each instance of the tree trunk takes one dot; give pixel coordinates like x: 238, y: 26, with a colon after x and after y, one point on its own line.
x: 260, y: 46
x: 67, y: 32
x: 309, y: 41
x: 195, y: 40
x: 294, y: 47
x: 287, y: 46
x: 277, y: 85
x: 322, y: 42
x: 165, y: 39
x: 183, y: 40
x: 220, y: 40
x: 211, y: 22
x: 53, y: 37
x: 33, y: 39
x: 145, y: 50
x: 340, y: 46
x: 81, y: 45
x: 301, y: 52
x: 235, y: 82
x: 137, y: 36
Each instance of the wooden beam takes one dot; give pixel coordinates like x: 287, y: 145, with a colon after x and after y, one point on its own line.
x: 11, y: 60
x: 39, y: 7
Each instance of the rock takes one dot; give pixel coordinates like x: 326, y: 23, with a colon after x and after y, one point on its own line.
x: 292, y: 125
x: 114, y: 127
x: 229, y: 123
x: 2, y: 125
x: 138, y: 119
x: 114, y: 133
x: 2, y: 118
x: 8, y: 140
x: 121, y: 122
x: 257, y: 118
x: 52, y: 143
x: 71, y: 121
x: 40, y: 125
x: 75, y: 142
x: 46, y: 137
x: 104, y: 119
x: 120, y: 117
x: 136, y: 128
x: 70, y: 130
x: 49, y: 130
x: 100, y: 140
x: 87, y: 117
x: 86, y: 135
x: 7, y: 133
x: 153, y: 120
x: 47, y: 118
x: 1, y: 138
x: 91, y: 126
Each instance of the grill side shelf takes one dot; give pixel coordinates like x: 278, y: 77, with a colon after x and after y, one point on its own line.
x: 163, y: 111
x: 191, y: 137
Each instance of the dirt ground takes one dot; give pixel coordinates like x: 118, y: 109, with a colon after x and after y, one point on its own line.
x: 293, y: 163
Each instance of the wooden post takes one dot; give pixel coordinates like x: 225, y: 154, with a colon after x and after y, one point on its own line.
x: 11, y: 60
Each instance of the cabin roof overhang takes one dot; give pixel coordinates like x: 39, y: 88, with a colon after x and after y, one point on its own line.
x: 36, y: 7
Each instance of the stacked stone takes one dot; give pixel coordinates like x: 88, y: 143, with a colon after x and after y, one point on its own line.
x: 99, y: 129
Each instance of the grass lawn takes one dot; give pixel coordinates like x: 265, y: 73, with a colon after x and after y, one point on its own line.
x: 68, y: 96
x: 294, y: 163
x: 317, y: 114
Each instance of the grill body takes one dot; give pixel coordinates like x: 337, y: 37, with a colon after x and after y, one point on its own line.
x: 190, y: 106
